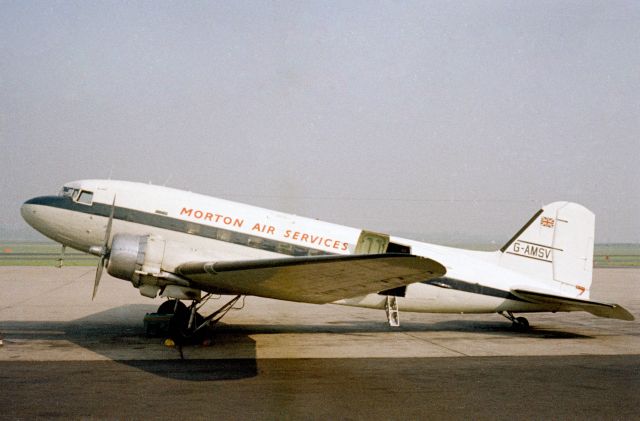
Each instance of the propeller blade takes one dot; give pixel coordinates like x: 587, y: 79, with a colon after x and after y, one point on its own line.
x: 109, y: 224
x: 98, y: 276
x: 104, y: 251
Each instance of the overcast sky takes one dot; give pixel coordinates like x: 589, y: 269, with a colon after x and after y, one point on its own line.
x: 440, y: 121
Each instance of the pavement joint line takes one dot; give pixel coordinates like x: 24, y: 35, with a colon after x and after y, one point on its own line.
x: 436, y: 344
x: 46, y: 292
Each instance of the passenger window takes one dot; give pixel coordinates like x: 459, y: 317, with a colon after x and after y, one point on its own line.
x: 85, y: 197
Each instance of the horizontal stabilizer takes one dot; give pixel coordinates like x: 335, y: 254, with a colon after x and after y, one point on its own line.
x: 314, y: 279
x: 611, y: 311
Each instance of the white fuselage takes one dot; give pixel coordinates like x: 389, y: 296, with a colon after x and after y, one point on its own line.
x: 220, y: 230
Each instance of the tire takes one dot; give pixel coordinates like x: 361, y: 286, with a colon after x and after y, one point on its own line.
x: 169, y: 307
x: 522, y: 323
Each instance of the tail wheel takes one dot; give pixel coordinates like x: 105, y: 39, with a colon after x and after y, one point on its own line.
x: 521, y: 323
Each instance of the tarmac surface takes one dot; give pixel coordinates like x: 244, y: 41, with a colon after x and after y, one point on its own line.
x: 65, y: 356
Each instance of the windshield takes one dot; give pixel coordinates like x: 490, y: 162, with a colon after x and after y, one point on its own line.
x: 67, y: 191
x: 77, y: 195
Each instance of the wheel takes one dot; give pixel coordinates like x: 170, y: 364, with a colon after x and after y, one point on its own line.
x: 521, y: 323
x: 179, y: 322
x: 179, y: 325
x: 179, y: 329
x: 172, y: 307
x: 181, y: 332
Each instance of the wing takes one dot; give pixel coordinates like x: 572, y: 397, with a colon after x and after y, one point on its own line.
x: 316, y: 279
x: 611, y: 311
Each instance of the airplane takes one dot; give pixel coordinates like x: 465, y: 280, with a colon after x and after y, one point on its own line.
x: 184, y: 246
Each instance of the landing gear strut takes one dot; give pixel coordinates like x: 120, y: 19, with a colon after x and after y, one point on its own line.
x: 391, y: 308
x: 519, y: 323
x: 186, y: 322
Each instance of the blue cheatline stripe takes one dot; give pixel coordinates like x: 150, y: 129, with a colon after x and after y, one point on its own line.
x: 178, y: 225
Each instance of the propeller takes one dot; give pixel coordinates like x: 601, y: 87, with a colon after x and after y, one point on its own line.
x: 103, y: 251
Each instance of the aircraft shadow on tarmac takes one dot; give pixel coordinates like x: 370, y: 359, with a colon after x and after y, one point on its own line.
x: 463, y: 326
x: 119, y: 335
x: 230, y: 354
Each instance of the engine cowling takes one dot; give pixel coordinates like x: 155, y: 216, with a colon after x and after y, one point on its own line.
x: 133, y: 257
x: 140, y: 259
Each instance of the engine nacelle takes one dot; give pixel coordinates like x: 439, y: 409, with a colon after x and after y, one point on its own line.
x: 140, y: 259
x: 133, y: 256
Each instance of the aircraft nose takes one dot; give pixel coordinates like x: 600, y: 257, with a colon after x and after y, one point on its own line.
x: 30, y: 210
x: 46, y: 214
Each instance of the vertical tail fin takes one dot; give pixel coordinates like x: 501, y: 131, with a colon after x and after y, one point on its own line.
x: 556, y: 246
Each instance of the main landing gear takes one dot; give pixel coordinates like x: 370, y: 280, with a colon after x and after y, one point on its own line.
x: 185, y: 323
x: 519, y: 323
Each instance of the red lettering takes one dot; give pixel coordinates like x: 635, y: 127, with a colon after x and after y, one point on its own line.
x: 344, y: 246
x: 256, y: 227
x: 327, y: 240
x: 271, y: 230
x: 287, y: 234
x: 305, y: 237
x: 296, y: 235
x: 336, y: 244
x: 208, y: 216
x: 315, y: 238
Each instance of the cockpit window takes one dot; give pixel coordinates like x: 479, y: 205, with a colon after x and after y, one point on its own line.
x: 85, y: 197
x: 67, y: 191
x: 81, y: 196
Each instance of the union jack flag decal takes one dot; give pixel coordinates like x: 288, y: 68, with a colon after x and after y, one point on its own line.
x: 547, y: 222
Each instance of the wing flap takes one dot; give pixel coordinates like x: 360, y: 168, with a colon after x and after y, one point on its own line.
x: 611, y: 311
x: 314, y: 279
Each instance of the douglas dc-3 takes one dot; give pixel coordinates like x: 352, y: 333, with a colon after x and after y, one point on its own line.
x: 187, y: 247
